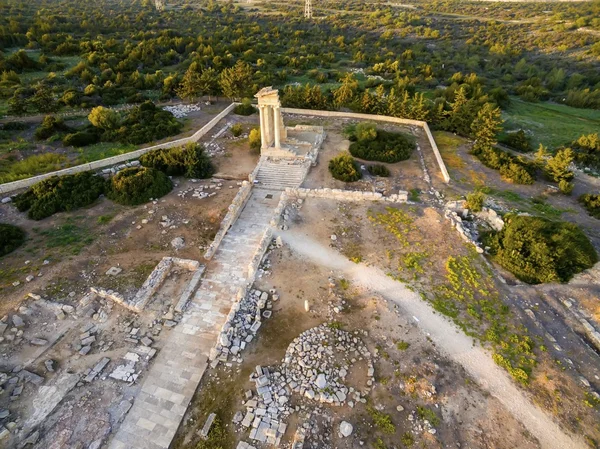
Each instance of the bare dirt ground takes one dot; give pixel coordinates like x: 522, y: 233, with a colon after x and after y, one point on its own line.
x: 68, y: 253
x: 413, y: 381
x: 475, y: 404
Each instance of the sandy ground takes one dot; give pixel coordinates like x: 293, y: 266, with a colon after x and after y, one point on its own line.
x: 446, y: 336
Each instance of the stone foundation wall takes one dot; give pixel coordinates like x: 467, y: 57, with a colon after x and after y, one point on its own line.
x: 235, y: 208
x: 153, y: 283
x: 16, y: 185
x: 347, y: 195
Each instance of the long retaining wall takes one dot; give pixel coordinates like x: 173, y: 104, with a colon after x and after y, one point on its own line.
x: 234, y: 210
x: 23, y: 183
x: 346, y: 195
x: 379, y: 118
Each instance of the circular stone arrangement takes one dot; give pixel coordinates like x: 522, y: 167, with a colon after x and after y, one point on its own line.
x: 317, y: 362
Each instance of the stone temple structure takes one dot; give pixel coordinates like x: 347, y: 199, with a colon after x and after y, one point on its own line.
x: 277, y: 140
x: 287, y: 153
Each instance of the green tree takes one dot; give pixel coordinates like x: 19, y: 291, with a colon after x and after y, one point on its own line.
x: 344, y: 94
x: 190, y: 87
x: 43, y: 99
x: 486, y: 126
x: 17, y: 104
x: 104, y: 118
x: 236, y: 82
x: 558, y: 166
x: 209, y: 82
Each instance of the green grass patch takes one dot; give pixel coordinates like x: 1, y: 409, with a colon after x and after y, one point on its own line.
x: 448, y: 143
x: 382, y: 421
x: 31, y: 166
x: 551, y: 124
x: 69, y: 236
x: 103, y: 150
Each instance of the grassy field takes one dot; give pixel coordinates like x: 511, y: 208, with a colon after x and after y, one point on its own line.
x: 550, y: 124
x: 103, y: 150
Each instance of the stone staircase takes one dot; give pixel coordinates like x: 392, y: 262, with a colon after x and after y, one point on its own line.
x: 281, y: 174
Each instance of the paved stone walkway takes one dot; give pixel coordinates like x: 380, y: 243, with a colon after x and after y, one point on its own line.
x: 175, y: 374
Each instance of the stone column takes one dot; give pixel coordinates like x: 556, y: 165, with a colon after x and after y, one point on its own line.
x: 269, y: 124
x: 277, y: 126
x: 263, y: 127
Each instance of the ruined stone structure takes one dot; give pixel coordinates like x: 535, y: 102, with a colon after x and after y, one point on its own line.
x: 271, y: 122
x: 160, y: 4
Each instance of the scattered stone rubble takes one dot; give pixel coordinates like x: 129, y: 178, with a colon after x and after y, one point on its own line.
x: 182, y: 110
x: 241, y: 329
x: 468, y: 223
x: 315, y: 367
x: 202, y: 191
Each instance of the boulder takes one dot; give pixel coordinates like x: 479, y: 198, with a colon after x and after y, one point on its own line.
x: 346, y: 429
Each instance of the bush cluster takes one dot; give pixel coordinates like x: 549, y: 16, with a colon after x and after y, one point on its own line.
x: 190, y: 161
x: 587, y: 151
x: 591, y: 202
x: 254, y: 139
x: 51, y: 125
x: 518, y: 141
x: 137, y: 185
x: 245, y: 108
x: 146, y: 122
x: 11, y: 237
x: 513, y: 169
x: 537, y: 250
x: 80, y: 139
x: 475, y: 201
x: 373, y: 144
x: 344, y: 168
x: 379, y: 170
x: 237, y: 130
x: 58, y: 194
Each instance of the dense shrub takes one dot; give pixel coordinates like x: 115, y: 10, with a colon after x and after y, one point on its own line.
x: 518, y: 141
x: 254, y: 139
x: 587, y: 151
x: 51, y: 125
x: 591, y: 202
x: 538, y: 250
x: 237, y: 129
x: 60, y: 193
x: 145, y: 123
x: 190, y: 161
x: 245, y: 108
x: 344, y: 168
x: 80, y: 139
x: 475, y: 201
x: 137, y: 185
x: 513, y: 169
x: 383, y: 147
x: 11, y: 237
x: 14, y: 126
x: 379, y: 170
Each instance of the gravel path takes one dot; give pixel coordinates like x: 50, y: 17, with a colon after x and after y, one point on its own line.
x: 447, y: 337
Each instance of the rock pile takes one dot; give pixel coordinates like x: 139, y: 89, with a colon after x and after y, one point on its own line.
x: 468, y: 223
x: 317, y: 362
x: 182, y: 110
x: 315, y: 366
x: 202, y: 191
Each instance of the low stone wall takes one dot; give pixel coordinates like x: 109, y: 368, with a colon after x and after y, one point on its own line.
x: 235, y: 208
x: 264, y: 243
x: 379, y: 118
x: 346, y: 195
x: 153, y: 283
x: 16, y: 185
x: 189, y: 290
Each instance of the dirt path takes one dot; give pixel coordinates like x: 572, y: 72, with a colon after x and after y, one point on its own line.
x: 446, y: 336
